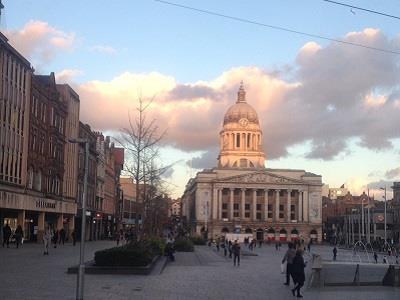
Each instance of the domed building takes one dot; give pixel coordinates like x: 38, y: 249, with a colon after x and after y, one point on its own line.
x: 241, y: 196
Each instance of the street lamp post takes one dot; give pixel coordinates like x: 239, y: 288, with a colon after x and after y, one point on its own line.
x: 81, y: 270
x: 384, y: 189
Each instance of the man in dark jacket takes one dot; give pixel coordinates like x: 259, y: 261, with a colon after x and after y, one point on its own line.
x: 236, y: 253
x: 289, y: 256
x: 19, y: 234
x: 298, y: 272
x: 6, y: 235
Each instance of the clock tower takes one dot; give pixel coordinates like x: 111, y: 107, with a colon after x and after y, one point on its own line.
x: 241, y: 137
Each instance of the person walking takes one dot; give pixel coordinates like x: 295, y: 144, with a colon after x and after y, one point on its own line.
x: 230, y: 249
x: 55, y: 237
x: 73, y: 236
x: 298, y: 272
x: 376, y: 257
x: 288, y: 258
x: 6, y: 235
x: 19, y: 234
x: 384, y: 259
x: 62, y: 236
x: 236, y: 253
x: 276, y: 246
x: 334, y: 253
x: 309, y: 246
x: 47, y: 236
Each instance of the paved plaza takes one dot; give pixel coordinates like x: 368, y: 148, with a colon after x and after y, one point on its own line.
x: 205, y: 274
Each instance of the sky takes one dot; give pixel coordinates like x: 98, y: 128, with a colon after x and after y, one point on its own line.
x: 329, y: 108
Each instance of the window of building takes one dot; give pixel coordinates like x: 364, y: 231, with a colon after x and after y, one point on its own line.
x: 224, y: 215
x: 281, y: 215
x: 258, y: 206
x: 281, y: 207
x: 247, y: 215
x: 258, y: 216
x: 236, y: 206
x: 237, y: 140
x: 224, y: 205
x: 247, y: 206
x: 236, y: 214
x: 269, y: 214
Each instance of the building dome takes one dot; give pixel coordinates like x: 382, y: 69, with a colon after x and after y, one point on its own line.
x: 241, y: 136
x: 241, y: 110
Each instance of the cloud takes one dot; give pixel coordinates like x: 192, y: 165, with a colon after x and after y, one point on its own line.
x: 103, y: 49
x: 40, y: 42
x: 393, y: 173
x: 333, y: 93
x: 206, y: 161
x: 67, y: 75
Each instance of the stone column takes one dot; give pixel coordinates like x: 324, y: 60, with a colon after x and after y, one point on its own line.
x: 254, y: 217
x: 231, y: 204
x: 41, y: 226
x: 214, y: 204
x: 60, y: 220
x: 300, y: 207
x: 21, y: 219
x: 266, y: 205
x: 242, y: 202
x: 288, y: 204
x: 305, y: 206
x: 277, y: 205
x: 220, y: 204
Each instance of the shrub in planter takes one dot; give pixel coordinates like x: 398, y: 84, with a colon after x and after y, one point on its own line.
x: 130, y: 255
x: 157, y: 245
x: 198, y: 240
x: 183, y: 245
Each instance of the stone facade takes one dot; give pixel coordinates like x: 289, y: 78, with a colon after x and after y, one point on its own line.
x: 242, y: 196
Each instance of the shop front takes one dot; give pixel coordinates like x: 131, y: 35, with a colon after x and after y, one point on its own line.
x: 35, y: 213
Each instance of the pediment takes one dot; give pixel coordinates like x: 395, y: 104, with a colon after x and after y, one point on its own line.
x: 260, y: 177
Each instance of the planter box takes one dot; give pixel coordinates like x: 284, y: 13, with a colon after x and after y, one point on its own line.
x: 91, y: 268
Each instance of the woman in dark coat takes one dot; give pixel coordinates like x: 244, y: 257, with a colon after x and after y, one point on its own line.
x: 298, y: 272
x: 19, y: 234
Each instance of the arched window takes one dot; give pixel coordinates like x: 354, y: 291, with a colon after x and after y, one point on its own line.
x: 294, y: 231
x: 283, y: 231
x: 271, y: 230
x: 225, y: 230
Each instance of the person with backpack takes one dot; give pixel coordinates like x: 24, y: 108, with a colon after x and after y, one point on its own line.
x: 298, y: 273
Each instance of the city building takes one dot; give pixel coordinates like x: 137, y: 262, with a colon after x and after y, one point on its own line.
x: 130, y: 205
x: 240, y: 195
x: 71, y: 124
x: 395, y: 206
x: 15, y: 88
x: 47, y: 117
x: 93, y: 211
x: 175, y: 207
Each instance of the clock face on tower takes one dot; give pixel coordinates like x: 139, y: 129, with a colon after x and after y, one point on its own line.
x: 243, y: 122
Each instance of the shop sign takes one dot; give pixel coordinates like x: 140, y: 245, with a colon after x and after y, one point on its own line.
x: 45, y: 204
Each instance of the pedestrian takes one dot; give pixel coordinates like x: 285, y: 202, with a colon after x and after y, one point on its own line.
x: 236, y: 253
x: 73, y: 236
x: 279, y: 245
x: 375, y: 257
x: 47, y: 236
x: 334, y: 253
x: 217, y: 244
x: 6, y: 235
x: 62, y: 236
x: 230, y: 249
x: 276, y: 246
x: 309, y: 246
x: 19, y: 234
x: 224, y: 245
x: 298, y: 272
x: 288, y: 258
x: 55, y: 237
x: 384, y: 259
x: 260, y: 242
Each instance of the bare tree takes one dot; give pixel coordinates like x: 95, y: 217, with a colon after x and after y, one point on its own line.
x: 141, y: 140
